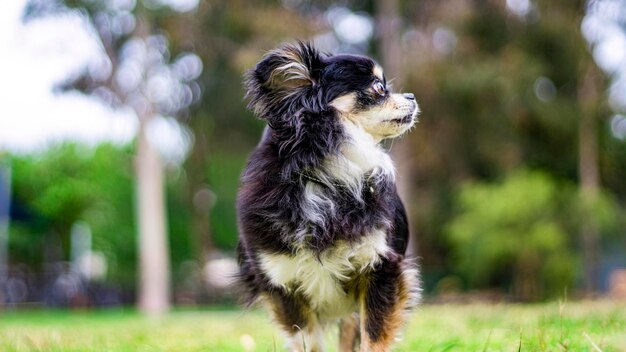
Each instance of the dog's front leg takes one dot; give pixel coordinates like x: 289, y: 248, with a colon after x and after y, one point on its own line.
x: 300, y: 325
x: 384, y: 305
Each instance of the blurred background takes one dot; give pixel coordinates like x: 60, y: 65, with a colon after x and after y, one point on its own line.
x: 124, y: 131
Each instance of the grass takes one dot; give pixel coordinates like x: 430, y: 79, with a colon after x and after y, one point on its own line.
x: 572, y: 326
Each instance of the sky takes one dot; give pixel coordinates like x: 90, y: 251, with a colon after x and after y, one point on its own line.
x: 35, y: 58
x: 40, y: 55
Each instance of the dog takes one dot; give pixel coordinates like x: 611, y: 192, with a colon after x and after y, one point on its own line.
x: 323, y: 232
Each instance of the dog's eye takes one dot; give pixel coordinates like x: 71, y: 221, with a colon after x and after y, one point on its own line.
x: 379, y: 88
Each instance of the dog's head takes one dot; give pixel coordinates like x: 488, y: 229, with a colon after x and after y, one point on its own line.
x: 297, y: 78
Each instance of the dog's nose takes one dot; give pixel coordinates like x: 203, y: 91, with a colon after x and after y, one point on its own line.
x: 409, y: 96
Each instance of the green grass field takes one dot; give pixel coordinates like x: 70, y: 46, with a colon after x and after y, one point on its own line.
x: 571, y: 326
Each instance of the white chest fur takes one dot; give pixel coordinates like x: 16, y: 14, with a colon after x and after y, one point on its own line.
x: 360, y: 154
x: 320, y: 279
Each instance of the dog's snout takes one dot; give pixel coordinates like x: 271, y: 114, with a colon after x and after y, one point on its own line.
x: 409, y: 96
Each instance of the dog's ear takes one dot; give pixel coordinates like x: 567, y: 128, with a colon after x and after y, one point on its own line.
x: 281, y: 77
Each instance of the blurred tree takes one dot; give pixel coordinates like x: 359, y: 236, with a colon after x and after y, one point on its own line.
x: 230, y: 37
x: 501, y: 87
x: 589, y: 171
x: 70, y: 183
x: 517, y: 233
x: 499, y: 90
x: 511, y: 230
x: 602, y: 17
x: 139, y: 74
x: 390, y: 30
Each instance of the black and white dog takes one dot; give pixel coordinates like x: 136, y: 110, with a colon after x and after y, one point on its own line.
x: 323, y: 232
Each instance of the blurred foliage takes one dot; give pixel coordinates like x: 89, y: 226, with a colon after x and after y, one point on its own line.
x: 504, y: 97
x: 71, y: 183
x: 499, y: 93
x: 513, y: 227
x: 223, y: 175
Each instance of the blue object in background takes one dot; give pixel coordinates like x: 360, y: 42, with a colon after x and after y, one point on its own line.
x: 5, y: 207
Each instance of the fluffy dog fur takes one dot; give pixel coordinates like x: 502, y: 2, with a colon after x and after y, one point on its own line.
x: 323, y: 232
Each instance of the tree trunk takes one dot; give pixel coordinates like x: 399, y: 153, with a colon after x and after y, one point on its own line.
x: 589, y: 177
x: 391, y: 57
x: 154, y: 261
x: 154, y: 281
